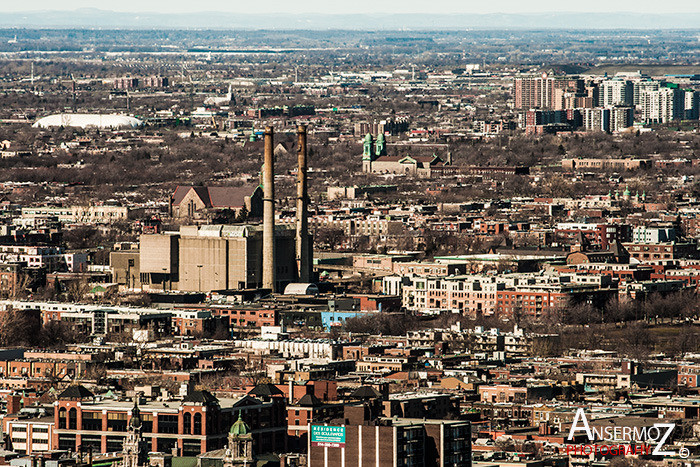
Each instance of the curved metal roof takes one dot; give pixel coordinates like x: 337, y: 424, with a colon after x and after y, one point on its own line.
x: 88, y: 121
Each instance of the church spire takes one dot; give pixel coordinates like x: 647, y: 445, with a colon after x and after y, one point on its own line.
x: 135, y: 448
x: 380, y: 147
x: 239, y: 451
x: 367, y: 148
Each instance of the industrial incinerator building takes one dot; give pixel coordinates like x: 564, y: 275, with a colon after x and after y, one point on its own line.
x: 214, y: 257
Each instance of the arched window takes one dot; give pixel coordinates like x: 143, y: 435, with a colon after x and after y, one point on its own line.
x: 197, y: 424
x: 62, y: 417
x: 72, y: 419
x: 187, y: 422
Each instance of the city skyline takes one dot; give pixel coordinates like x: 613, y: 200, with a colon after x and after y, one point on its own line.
x: 356, y: 236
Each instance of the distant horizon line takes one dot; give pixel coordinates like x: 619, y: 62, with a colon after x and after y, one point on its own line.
x: 381, y: 13
x: 88, y: 18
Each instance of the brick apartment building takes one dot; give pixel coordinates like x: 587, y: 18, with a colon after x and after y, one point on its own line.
x: 29, y: 435
x: 392, y: 441
x: 189, y: 427
x: 309, y: 409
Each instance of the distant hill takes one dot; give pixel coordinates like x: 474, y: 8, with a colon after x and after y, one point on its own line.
x: 94, y: 18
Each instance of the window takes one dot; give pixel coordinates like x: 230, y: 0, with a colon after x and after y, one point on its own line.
x: 92, y: 441
x: 164, y: 444
x: 167, y: 423
x: 73, y: 419
x: 62, y: 417
x: 92, y: 421
x: 187, y: 423
x: 197, y: 424
x: 147, y: 422
x: 116, y: 422
x: 66, y: 442
x: 191, y: 447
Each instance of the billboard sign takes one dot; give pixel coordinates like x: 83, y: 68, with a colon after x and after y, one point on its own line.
x: 328, y: 436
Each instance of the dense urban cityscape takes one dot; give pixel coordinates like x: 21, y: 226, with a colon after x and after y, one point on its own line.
x: 295, y: 248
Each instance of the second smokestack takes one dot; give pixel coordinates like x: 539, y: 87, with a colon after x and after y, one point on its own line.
x: 268, y: 253
x: 302, y: 239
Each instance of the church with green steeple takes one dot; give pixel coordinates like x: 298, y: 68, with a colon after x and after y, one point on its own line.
x: 239, y: 451
x: 376, y: 160
x: 371, y: 151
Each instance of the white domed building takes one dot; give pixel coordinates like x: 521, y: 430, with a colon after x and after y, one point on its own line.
x: 101, y: 121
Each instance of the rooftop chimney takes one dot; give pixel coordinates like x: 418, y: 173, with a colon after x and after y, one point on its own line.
x: 268, y: 253
x: 303, y: 260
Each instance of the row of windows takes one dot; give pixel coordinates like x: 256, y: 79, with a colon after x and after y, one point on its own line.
x: 243, y: 312
x: 92, y: 421
x: 34, y: 441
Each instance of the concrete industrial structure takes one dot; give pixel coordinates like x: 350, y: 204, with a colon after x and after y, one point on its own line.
x: 235, y: 257
x: 302, y: 237
x: 215, y: 257
x: 268, y: 246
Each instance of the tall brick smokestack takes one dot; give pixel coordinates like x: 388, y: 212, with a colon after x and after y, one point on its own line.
x: 268, y: 253
x: 302, y: 239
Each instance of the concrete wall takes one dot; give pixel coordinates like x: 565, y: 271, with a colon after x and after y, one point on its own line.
x: 159, y: 253
x: 204, y: 263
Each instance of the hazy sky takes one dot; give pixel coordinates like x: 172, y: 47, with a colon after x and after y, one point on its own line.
x: 360, y: 6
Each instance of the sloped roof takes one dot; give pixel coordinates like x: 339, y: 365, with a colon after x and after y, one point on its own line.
x: 265, y: 390
x: 216, y: 196
x: 180, y: 193
x: 286, y: 145
x: 201, y: 397
x: 76, y: 391
x: 389, y: 158
x: 230, y: 196
x: 619, y: 250
x: 581, y: 239
x: 365, y: 392
x: 203, y: 193
x: 309, y: 400
x: 432, y: 160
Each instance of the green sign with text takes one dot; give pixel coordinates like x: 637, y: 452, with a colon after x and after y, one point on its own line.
x: 328, y: 436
